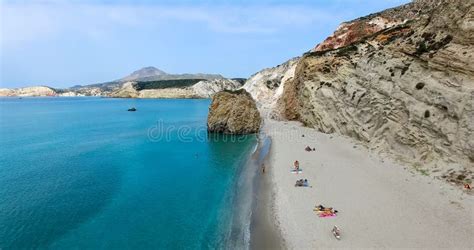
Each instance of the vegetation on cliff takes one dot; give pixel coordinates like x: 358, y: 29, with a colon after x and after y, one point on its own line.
x: 163, y: 84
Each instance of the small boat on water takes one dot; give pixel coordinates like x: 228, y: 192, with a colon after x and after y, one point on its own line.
x: 132, y: 109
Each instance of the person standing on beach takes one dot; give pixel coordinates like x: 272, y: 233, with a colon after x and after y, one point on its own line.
x: 297, y: 165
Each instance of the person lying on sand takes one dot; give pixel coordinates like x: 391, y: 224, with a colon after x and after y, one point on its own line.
x: 299, y: 183
x: 325, y: 211
x: 321, y: 208
x: 337, y: 232
x: 307, y: 149
x: 302, y: 183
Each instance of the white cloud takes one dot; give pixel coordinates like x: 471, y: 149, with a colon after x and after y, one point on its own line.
x: 23, y: 23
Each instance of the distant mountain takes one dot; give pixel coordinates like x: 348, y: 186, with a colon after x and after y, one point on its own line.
x: 154, y: 74
x: 147, y: 74
x: 143, y: 73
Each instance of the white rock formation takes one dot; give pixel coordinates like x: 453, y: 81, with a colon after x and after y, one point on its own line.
x: 29, y: 91
x: 267, y: 86
x: 68, y: 94
x: 207, y: 88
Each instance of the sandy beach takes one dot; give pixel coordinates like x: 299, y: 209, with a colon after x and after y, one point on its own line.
x: 381, y: 204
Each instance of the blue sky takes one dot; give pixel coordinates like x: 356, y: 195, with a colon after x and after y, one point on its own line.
x: 64, y: 43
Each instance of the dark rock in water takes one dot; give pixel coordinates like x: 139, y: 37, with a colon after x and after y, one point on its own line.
x: 233, y: 112
x: 132, y: 109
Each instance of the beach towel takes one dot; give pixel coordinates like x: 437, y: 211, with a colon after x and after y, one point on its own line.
x: 327, y: 215
x: 325, y: 212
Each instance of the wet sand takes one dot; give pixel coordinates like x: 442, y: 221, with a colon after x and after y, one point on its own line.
x: 265, y: 233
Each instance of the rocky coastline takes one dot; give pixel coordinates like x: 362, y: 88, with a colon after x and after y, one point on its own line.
x: 148, y: 82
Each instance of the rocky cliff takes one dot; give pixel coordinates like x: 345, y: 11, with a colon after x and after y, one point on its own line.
x: 29, y: 91
x: 127, y: 90
x: 401, y: 81
x: 233, y: 112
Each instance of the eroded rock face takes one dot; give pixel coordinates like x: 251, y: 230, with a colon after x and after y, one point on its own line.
x: 356, y: 30
x: 404, y: 88
x: 233, y: 112
x: 407, y: 90
x: 267, y: 87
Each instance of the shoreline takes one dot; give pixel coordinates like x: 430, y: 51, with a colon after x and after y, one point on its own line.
x: 381, y: 204
x: 264, y: 232
x: 250, y: 224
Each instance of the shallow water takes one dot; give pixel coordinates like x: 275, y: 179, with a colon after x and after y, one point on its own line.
x: 85, y: 173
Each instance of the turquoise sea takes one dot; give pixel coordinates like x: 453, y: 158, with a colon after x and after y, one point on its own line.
x: 83, y: 173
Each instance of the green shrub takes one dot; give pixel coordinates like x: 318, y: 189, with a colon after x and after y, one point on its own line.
x: 164, y: 84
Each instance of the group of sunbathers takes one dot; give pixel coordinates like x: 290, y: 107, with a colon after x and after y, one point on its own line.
x: 321, y: 210
x: 325, y: 211
x: 302, y: 183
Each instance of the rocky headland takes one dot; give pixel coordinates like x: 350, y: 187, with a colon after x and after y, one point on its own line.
x: 29, y: 91
x: 148, y: 82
